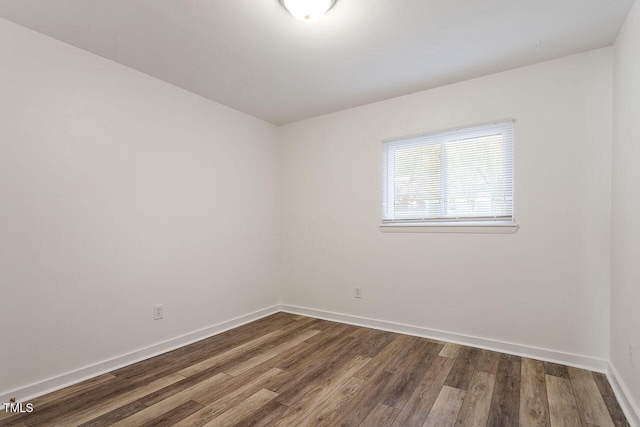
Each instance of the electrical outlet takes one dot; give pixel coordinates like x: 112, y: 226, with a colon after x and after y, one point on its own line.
x: 357, y: 292
x: 158, y: 312
x: 631, y: 359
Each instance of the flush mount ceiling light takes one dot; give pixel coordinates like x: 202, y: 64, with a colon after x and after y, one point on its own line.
x: 308, y: 10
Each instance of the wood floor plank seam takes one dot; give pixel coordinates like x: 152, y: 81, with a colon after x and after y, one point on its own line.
x: 314, y: 395
x: 419, y: 405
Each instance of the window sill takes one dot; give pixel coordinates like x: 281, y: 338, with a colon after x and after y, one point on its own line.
x: 450, y: 227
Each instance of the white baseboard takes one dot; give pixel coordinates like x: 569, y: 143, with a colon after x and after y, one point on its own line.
x: 31, y: 391
x: 575, y: 360
x: 630, y: 409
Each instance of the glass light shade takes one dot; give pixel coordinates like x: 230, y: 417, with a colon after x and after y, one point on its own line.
x: 308, y: 10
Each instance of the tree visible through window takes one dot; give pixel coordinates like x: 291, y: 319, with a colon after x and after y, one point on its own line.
x: 456, y: 175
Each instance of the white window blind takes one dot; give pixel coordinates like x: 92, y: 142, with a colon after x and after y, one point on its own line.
x: 461, y: 175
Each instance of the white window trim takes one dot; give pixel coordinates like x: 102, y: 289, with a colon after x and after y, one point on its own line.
x: 451, y: 227
x: 473, y: 227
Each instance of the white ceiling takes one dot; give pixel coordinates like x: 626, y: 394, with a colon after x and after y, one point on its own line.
x: 253, y: 56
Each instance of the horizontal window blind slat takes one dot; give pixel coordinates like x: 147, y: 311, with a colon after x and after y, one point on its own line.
x: 455, y: 175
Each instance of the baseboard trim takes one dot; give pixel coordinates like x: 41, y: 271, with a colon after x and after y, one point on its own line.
x: 575, y: 360
x: 630, y: 409
x: 31, y: 391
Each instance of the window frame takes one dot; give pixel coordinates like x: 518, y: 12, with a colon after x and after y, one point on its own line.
x: 464, y: 224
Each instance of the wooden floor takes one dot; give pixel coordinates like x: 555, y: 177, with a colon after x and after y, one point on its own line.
x: 288, y: 370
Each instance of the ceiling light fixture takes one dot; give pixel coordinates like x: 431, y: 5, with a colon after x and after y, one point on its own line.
x: 308, y: 10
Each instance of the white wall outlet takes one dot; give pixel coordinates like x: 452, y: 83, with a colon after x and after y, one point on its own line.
x: 357, y: 292
x: 158, y: 312
x: 631, y: 359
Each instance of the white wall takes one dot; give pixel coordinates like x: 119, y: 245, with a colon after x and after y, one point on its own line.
x: 111, y: 204
x: 546, y: 286
x: 118, y: 192
x: 625, y: 254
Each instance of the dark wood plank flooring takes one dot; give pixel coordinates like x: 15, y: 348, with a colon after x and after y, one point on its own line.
x: 290, y: 370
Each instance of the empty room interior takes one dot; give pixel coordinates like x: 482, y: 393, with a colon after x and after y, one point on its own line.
x: 393, y: 213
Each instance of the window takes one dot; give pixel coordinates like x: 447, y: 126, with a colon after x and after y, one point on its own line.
x: 460, y: 177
